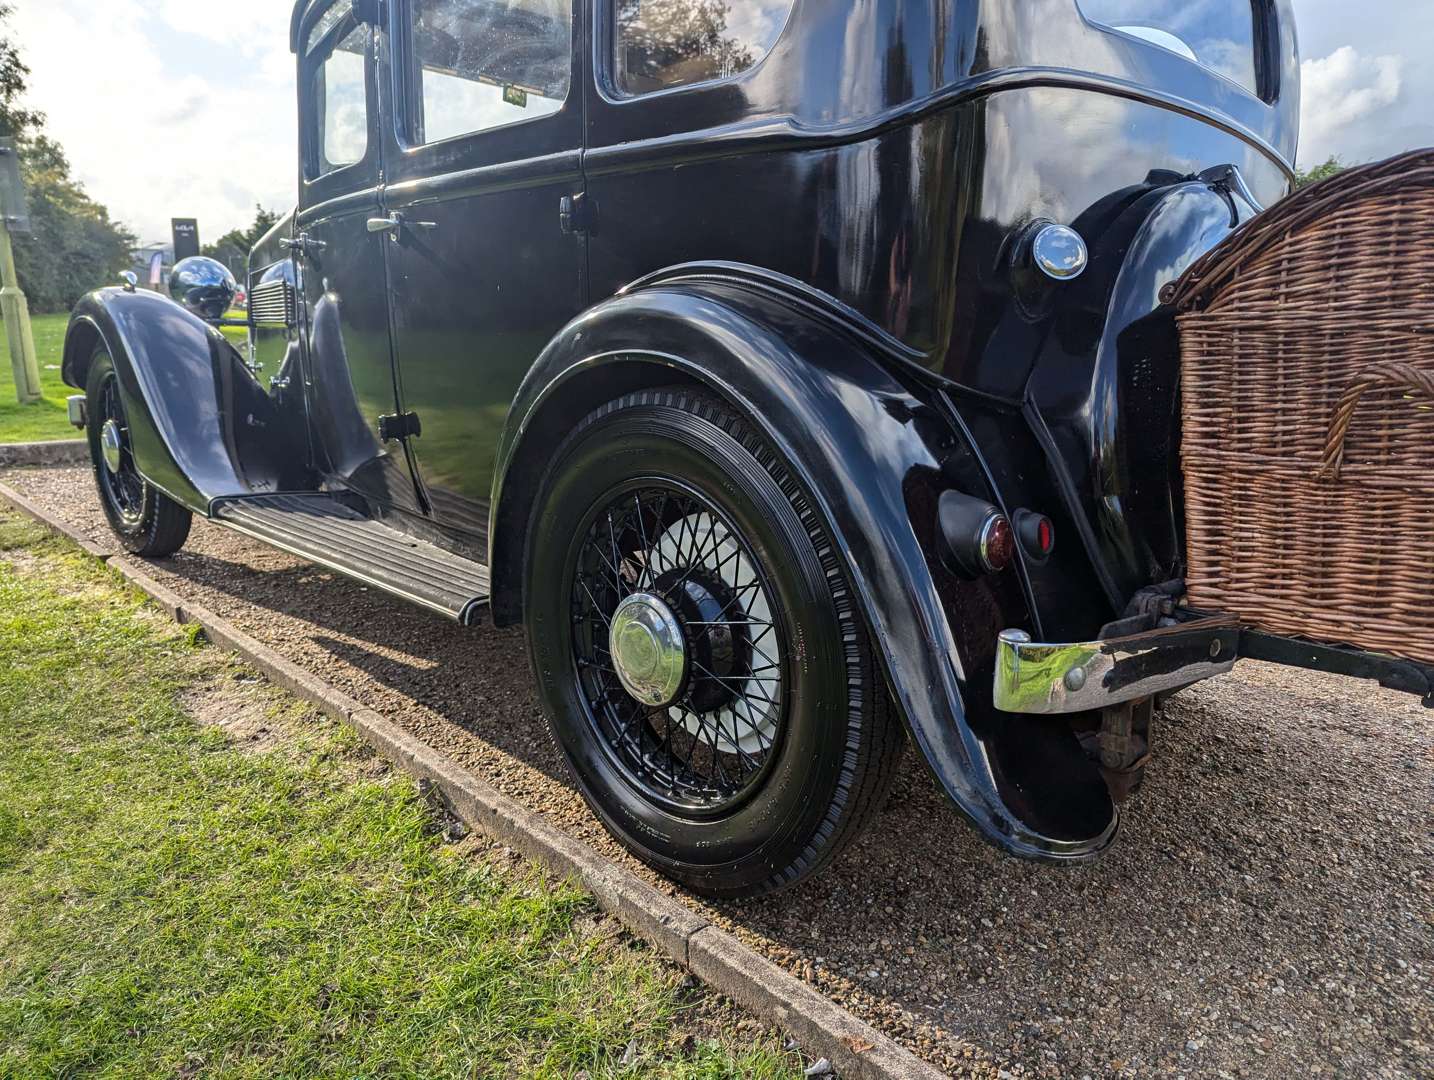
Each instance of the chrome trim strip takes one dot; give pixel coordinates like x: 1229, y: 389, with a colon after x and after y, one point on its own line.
x: 1037, y: 677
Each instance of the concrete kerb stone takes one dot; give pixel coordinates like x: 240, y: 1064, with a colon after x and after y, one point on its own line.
x: 54, y: 524
x: 712, y: 954
x: 58, y: 452
x: 853, y: 1047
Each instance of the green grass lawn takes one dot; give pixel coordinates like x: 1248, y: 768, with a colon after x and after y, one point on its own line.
x: 201, y: 876
x: 46, y: 419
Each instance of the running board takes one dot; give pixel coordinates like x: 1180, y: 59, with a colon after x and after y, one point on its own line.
x: 320, y: 528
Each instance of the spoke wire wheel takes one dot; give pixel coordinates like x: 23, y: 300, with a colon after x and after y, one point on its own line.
x: 702, y: 748
x: 120, y: 482
x: 734, y: 733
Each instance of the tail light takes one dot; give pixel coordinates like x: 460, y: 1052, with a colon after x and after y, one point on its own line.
x: 1036, y: 534
x: 975, y: 537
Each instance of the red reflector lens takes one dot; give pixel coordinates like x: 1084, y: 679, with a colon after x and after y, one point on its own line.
x: 998, y: 543
x: 1046, y: 536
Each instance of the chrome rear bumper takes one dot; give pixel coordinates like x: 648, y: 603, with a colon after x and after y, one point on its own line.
x: 1032, y: 677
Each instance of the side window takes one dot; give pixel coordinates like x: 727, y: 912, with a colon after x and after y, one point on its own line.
x: 336, y: 48
x: 664, y: 43
x: 480, y: 64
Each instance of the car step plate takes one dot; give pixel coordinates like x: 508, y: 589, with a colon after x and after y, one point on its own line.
x: 320, y: 528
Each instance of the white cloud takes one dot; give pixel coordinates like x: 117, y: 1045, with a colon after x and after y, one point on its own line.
x: 154, y: 125
x: 1343, y: 91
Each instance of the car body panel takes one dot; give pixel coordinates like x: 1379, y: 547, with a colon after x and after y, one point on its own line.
x: 831, y: 241
x: 862, y: 444
x: 201, y: 426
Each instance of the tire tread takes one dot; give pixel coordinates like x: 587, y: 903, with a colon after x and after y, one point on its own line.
x: 875, y: 738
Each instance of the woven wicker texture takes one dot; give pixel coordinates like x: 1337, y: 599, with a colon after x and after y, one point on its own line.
x: 1307, y: 353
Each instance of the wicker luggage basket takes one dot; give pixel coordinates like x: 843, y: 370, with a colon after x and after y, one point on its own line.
x: 1307, y: 384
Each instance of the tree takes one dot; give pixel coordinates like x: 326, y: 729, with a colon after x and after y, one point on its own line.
x: 232, y: 249
x: 14, y: 120
x: 685, y: 38
x: 73, y: 246
x: 1331, y: 166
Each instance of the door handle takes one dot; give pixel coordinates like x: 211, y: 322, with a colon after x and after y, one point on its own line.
x: 394, y: 223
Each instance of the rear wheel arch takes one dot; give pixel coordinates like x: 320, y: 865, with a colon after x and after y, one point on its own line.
x: 559, y: 411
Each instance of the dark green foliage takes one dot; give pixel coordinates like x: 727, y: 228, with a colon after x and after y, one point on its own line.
x: 232, y: 249
x: 73, y: 245
x: 14, y: 120
x: 1305, y: 177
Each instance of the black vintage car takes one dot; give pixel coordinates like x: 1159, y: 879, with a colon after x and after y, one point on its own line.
x: 791, y: 369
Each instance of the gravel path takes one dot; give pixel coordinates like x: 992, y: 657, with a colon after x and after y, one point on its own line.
x: 1268, y: 910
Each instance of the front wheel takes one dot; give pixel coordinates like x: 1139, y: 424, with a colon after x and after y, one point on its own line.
x: 146, y: 521
x: 698, y: 651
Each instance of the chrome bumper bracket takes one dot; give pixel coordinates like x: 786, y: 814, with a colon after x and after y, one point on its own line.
x: 1033, y: 677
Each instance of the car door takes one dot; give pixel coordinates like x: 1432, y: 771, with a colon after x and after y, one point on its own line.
x: 349, y: 364
x: 484, y: 269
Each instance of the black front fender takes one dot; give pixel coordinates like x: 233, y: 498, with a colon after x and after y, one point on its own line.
x: 866, y: 447
x: 201, y: 427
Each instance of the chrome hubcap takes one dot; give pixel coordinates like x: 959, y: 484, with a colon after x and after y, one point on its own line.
x: 111, y: 444
x: 648, y: 649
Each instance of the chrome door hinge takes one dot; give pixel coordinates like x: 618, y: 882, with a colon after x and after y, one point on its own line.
x: 303, y: 244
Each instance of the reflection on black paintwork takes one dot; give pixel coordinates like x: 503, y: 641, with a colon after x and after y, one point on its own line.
x: 1219, y: 34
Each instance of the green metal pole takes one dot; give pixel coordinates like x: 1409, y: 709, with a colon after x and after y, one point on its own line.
x: 16, y: 313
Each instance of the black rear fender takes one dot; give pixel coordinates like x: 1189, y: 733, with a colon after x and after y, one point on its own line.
x: 201, y: 426
x: 870, y: 451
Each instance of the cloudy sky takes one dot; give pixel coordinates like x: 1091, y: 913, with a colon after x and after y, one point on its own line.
x: 186, y: 107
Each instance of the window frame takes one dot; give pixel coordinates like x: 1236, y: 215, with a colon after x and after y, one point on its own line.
x: 408, y: 87
x: 311, y: 115
x: 605, y: 59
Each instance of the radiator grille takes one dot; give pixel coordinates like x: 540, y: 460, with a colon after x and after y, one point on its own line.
x: 272, y: 304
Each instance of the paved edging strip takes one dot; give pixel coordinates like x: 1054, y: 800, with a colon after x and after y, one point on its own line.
x: 712, y: 954
x: 57, y: 452
x: 54, y: 524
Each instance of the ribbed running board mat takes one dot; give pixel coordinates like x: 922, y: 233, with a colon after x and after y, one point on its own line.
x: 325, y: 531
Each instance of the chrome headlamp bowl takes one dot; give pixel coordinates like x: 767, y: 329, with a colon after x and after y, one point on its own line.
x: 203, y: 286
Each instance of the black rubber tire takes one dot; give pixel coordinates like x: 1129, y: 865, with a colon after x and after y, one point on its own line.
x: 161, y: 526
x: 834, y: 763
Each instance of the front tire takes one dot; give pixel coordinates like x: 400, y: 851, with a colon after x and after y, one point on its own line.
x: 146, y: 521
x: 698, y: 651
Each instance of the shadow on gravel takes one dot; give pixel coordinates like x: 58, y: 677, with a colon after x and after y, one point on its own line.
x: 1263, y: 913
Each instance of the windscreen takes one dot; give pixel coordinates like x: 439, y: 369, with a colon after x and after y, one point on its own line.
x: 1217, y: 34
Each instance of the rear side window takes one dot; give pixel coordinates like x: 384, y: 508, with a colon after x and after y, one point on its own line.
x: 480, y: 64
x: 1217, y: 34
x: 337, y: 46
x: 665, y: 43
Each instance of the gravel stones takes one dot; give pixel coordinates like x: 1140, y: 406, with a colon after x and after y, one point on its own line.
x: 1269, y: 901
